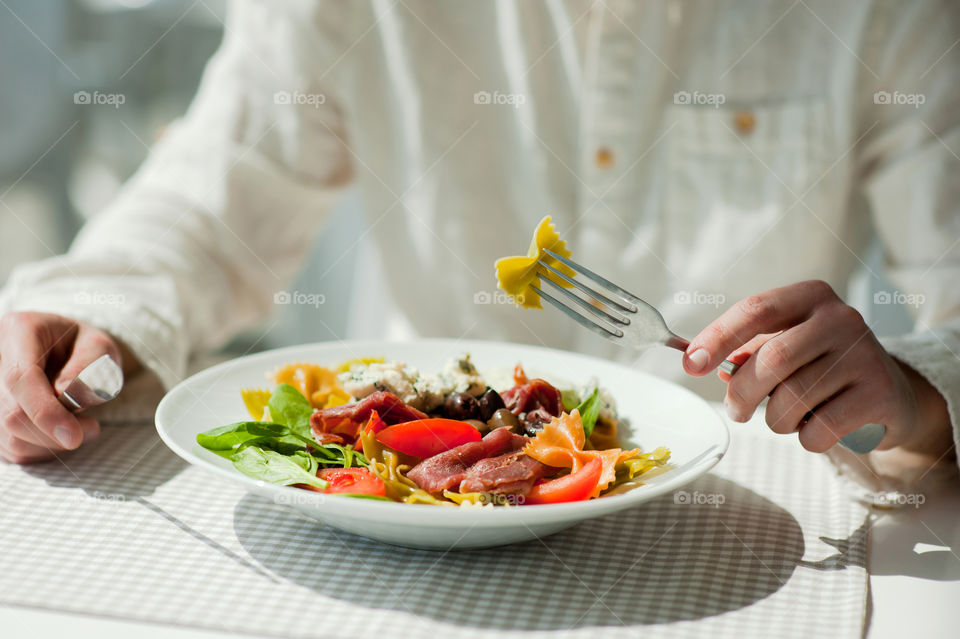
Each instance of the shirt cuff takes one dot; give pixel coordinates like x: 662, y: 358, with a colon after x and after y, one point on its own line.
x: 139, y: 310
x: 935, y: 354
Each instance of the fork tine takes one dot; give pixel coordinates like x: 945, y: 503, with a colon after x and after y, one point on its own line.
x: 613, y: 334
x: 614, y: 317
x: 602, y: 281
x: 629, y: 308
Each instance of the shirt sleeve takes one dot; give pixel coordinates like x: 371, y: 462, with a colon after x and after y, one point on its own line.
x: 910, y: 120
x: 222, y: 213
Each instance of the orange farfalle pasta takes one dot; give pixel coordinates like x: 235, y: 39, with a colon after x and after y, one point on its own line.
x: 318, y: 384
x: 560, y: 444
x: 517, y: 275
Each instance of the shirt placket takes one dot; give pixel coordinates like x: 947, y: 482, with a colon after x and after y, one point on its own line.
x: 610, y: 118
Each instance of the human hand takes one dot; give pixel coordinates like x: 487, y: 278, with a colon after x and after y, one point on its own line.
x: 823, y: 368
x: 39, y: 356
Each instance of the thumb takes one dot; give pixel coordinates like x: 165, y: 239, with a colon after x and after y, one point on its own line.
x: 91, y: 343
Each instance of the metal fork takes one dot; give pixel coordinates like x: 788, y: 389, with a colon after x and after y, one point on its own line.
x: 625, y: 319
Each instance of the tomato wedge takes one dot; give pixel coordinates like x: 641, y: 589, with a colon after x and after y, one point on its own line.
x: 427, y: 437
x: 573, y: 487
x: 353, y: 481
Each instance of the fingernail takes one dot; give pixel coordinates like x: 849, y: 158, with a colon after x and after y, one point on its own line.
x: 63, y: 435
x: 698, y: 360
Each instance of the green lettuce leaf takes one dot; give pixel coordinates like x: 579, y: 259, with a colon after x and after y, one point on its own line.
x: 589, y: 411
x: 275, y: 468
x: 289, y: 407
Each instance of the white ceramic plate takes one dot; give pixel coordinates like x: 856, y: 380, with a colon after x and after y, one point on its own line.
x: 660, y: 414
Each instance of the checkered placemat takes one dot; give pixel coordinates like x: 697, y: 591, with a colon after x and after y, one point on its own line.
x: 768, y: 544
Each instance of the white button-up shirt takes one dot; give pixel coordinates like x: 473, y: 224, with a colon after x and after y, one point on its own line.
x: 694, y: 152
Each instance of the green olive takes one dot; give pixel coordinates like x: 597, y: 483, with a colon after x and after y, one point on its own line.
x: 504, y: 417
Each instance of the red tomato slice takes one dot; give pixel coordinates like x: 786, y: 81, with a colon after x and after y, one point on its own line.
x: 427, y: 437
x: 573, y: 487
x: 354, y: 481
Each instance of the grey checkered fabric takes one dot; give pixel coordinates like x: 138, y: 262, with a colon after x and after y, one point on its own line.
x: 768, y: 544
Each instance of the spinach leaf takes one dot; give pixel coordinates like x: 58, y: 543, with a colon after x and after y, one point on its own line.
x: 270, y: 466
x: 589, y: 411
x: 289, y: 407
x: 226, y: 440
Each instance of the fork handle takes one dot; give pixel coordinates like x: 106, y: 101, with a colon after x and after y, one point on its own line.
x: 677, y: 342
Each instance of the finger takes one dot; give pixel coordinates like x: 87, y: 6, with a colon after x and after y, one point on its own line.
x: 22, y: 371
x: 90, y: 344
x: 743, y: 353
x: 804, y: 391
x: 768, y: 312
x: 90, y: 428
x: 777, y: 359
x: 838, y: 417
x: 17, y: 425
x: 17, y: 451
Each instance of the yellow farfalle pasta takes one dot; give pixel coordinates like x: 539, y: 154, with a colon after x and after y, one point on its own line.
x: 318, y: 384
x: 256, y: 401
x: 517, y: 275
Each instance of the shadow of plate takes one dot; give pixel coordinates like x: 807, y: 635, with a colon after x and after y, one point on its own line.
x: 658, y: 563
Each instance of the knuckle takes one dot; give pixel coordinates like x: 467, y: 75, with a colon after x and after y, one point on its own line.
x: 820, y: 289
x: 778, y: 420
x: 757, y: 308
x: 815, y: 440
x: 735, y: 397
x: 847, y: 315
x: 13, y: 419
x: 101, y: 341
x: 11, y: 375
x: 774, y: 356
x: 19, y: 448
x: 46, y: 416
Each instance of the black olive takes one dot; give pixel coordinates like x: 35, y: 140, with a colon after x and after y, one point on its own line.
x: 461, y: 406
x: 503, y: 417
x: 490, y: 402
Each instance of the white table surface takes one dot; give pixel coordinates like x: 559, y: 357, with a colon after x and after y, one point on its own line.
x: 914, y: 585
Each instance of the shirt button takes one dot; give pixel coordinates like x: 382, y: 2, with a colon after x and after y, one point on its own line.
x: 604, y: 158
x: 745, y: 122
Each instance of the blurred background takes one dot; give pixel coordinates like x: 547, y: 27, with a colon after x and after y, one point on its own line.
x: 62, y: 161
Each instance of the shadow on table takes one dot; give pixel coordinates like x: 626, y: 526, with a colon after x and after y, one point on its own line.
x: 125, y: 463
x: 658, y: 563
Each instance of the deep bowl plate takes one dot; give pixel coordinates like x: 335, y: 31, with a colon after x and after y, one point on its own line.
x: 659, y: 413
